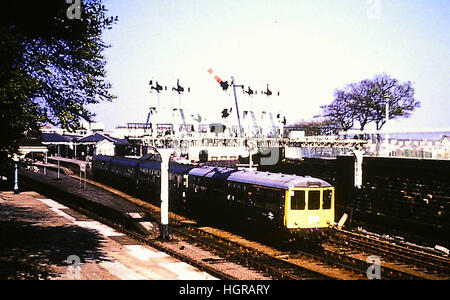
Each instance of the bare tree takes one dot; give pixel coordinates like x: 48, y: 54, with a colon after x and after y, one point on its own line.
x: 340, y: 111
x: 365, y: 102
x: 399, y: 96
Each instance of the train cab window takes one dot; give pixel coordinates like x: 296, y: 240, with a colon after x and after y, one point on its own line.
x: 314, y: 200
x: 298, y: 200
x: 327, y: 196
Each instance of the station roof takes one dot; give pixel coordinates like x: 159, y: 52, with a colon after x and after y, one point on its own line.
x: 97, y: 137
x: 49, y: 138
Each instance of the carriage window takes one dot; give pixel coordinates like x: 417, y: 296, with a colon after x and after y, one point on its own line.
x: 327, y: 195
x: 298, y: 200
x: 273, y: 200
x: 144, y: 172
x: 314, y: 200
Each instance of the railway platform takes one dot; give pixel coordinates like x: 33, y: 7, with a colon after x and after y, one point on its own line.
x: 42, y: 239
x: 131, y: 237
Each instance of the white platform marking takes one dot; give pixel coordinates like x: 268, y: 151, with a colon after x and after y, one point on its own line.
x: 186, y: 272
x: 147, y: 225
x: 135, y: 215
x: 143, y: 253
x: 52, y: 203
x: 120, y: 271
x: 181, y: 269
x: 102, y: 229
x: 56, y: 208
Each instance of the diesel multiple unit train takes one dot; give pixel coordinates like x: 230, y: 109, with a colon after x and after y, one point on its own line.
x: 296, y: 205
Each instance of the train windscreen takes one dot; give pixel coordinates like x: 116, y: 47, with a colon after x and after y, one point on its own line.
x: 327, y: 196
x: 298, y: 200
x: 314, y: 200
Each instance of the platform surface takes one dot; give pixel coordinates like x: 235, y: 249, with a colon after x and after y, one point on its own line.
x: 42, y: 239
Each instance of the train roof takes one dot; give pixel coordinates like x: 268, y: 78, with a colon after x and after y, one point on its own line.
x: 211, y: 172
x: 101, y: 157
x: 124, y: 161
x: 174, y: 167
x: 275, y: 180
x: 154, y: 163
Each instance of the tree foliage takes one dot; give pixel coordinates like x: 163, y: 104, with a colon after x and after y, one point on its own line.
x: 315, y: 127
x: 365, y: 102
x: 51, y: 66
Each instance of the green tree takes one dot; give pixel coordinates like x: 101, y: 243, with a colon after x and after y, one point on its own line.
x: 51, y: 65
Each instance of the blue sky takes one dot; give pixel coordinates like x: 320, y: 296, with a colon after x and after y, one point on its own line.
x: 305, y: 49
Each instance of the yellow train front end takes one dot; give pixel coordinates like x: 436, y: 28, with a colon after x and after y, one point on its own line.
x: 307, y: 209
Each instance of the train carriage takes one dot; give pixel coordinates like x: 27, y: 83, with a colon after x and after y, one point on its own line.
x: 148, y: 177
x: 101, y: 167
x: 206, y: 190
x: 297, y: 205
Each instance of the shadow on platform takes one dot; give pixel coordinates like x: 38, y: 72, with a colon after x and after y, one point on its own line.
x: 31, y: 250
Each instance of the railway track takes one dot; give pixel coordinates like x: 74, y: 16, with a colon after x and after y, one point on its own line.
x: 229, y: 250
x: 397, y: 262
x: 284, y: 265
x: 182, y: 228
x: 249, y: 257
x: 71, y: 201
x: 345, y: 253
x: 338, y: 257
x: 417, y: 257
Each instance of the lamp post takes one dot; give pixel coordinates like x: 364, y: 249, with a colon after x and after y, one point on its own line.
x: 16, y: 174
x: 387, y: 133
x: 59, y: 175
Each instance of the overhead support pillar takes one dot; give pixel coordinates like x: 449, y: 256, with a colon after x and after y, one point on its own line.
x: 165, y: 158
x: 359, y: 154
